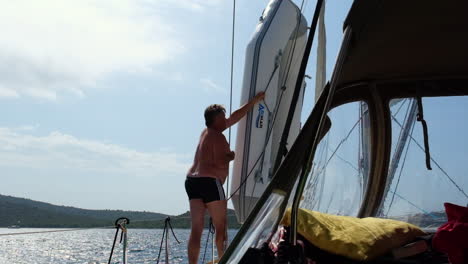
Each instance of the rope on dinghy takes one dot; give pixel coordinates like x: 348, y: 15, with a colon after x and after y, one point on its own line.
x: 282, y: 150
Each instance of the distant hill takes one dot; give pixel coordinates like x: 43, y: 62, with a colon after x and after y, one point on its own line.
x: 427, y: 220
x: 30, y: 213
x: 183, y: 221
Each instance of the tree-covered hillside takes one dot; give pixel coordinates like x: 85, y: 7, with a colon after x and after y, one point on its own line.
x: 29, y: 213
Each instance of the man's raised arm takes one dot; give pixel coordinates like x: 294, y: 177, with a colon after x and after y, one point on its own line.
x: 243, y: 110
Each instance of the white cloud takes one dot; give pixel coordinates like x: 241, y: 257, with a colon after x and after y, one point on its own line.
x: 27, y: 128
x: 210, y: 86
x: 53, y: 47
x: 194, y: 5
x: 61, y: 151
x: 5, y: 92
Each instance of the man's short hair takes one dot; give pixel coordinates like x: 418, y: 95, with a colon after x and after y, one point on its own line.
x: 211, y: 112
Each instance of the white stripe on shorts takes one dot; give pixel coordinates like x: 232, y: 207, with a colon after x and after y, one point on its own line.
x: 220, y: 190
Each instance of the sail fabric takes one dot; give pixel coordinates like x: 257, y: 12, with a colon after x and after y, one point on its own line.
x: 321, y: 70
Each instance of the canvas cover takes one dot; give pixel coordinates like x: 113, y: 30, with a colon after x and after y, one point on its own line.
x: 399, y: 39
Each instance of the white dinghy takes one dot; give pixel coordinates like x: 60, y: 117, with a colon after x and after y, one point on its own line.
x: 273, y: 59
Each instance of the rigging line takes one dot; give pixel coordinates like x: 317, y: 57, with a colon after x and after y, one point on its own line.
x: 211, y: 231
x: 268, y: 85
x: 290, y: 58
x: 269, y: 112
x: 291, y: 52
x: 262, y: 153
x: 401, y: 170
x: 433, y: 160
x: 113, y: 244
x: 315, y: 195
x: 341, y: 143
x: 306, y: 166
x: 352, y: 166
x: 251, y: 194
x: 313, y: 181
x: 54, y: 231
x: 162, y: 241
x: 232, y: 74
x: 232, y: 61
x: 346, y: 161
x: 283, y: 88
x: 322, y: 148
x: 399, y: 108
x: 293, y: 103
x: 172, y: 231
x: 269, y: 132
x: 268, y: 136
x: 417, y: 207
x: 165, y: 237
x: 322, y: 154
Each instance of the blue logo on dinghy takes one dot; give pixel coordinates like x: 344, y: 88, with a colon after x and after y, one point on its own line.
x: 261, y: 113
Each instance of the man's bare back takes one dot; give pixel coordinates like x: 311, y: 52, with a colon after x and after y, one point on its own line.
x: 212, y: 156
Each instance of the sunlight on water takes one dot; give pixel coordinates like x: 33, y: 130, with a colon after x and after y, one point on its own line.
x: 93, y: 246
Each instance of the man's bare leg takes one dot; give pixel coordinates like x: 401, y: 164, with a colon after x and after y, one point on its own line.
x: 218, y: 211
x: 197, y: 213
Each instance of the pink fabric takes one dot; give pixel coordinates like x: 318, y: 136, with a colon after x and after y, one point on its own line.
x: 452, y: 237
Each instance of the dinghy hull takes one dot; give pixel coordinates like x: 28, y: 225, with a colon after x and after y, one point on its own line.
x: 272, y: 63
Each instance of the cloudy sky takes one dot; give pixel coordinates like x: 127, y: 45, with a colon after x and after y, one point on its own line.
x: 101, y: 101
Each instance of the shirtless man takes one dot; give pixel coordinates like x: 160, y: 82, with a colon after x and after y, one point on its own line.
x: 205, y: 179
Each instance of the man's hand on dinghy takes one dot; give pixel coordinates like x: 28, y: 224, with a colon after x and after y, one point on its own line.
x: 243, y: 110
x: 259, y: 97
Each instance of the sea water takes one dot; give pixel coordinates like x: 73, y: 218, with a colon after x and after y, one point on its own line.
x: 93, y: 246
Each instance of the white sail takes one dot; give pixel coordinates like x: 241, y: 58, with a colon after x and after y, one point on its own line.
x: 321, y: 70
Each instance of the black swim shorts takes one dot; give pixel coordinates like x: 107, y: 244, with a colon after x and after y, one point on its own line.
x: 206, y: 188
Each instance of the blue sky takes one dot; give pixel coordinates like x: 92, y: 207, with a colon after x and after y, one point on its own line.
x: 102, y: 101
